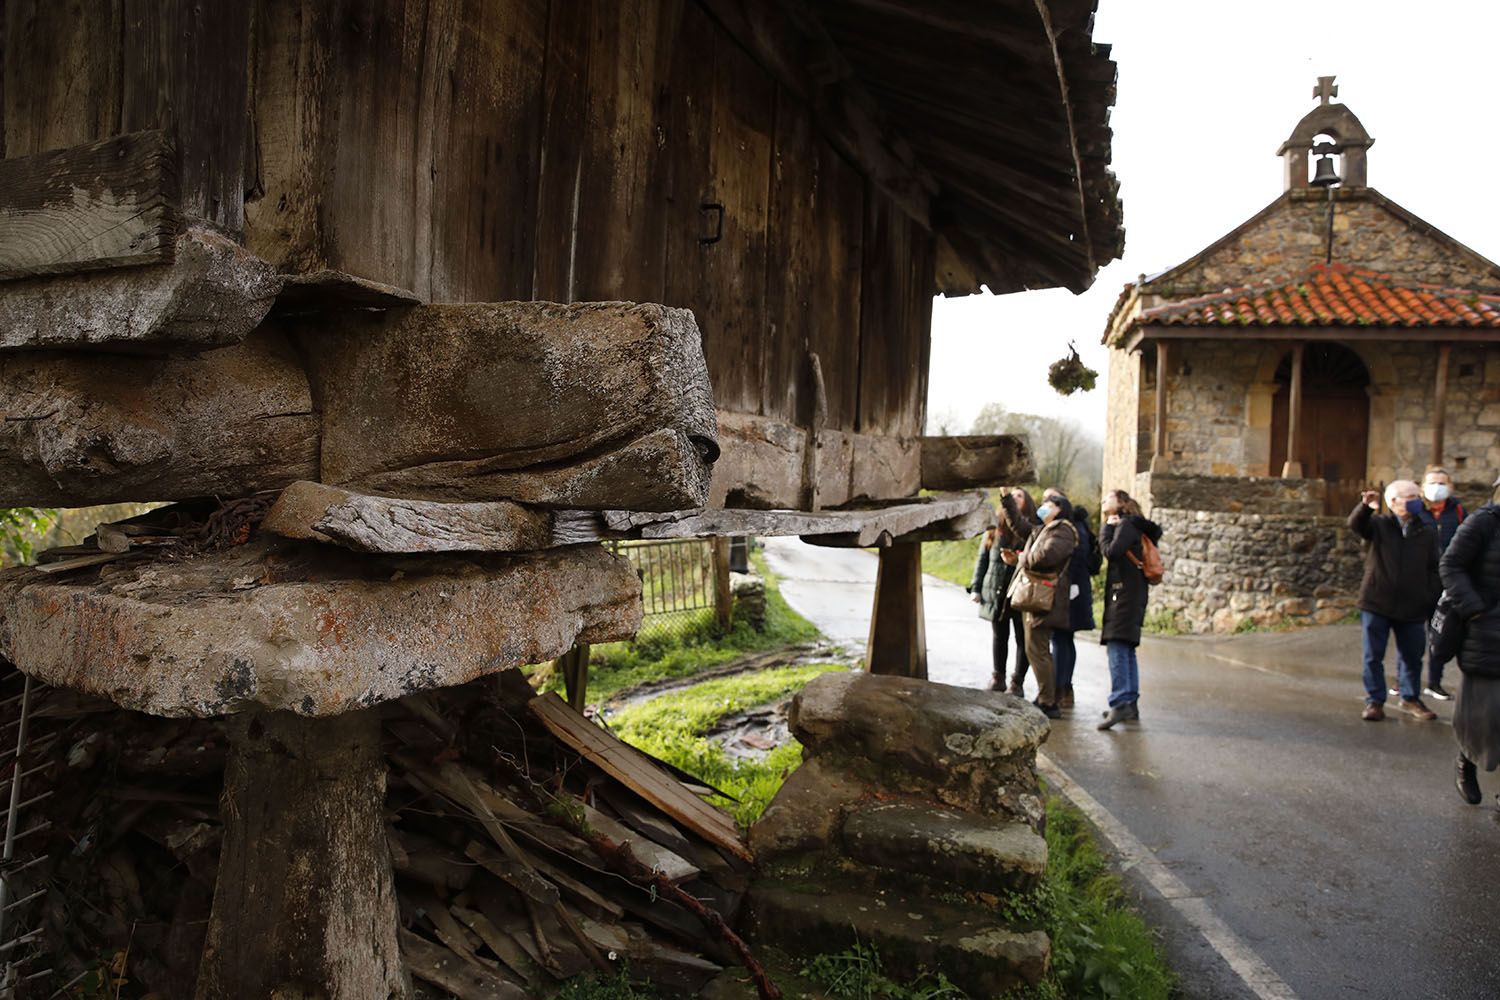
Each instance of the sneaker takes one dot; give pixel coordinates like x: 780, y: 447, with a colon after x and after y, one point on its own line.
x: 1373, y: 712
x: 1050, y: 711
x: 1392, y: 692
x: 1065, y: 698
x: 1468, y: 781
x: 1437, y: 692
x: 1129, y: 712
x: 1417, y: 710
x: 1115, y: 715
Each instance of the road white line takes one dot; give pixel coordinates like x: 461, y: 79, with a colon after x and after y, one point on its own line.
x: 1250, y: 967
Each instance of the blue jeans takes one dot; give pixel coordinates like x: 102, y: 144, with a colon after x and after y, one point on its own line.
x: 1124, y: 674
x: 1064, y: 657
x: 1411, y: 643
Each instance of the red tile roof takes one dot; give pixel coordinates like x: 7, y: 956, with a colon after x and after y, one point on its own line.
x: 1333, y: 295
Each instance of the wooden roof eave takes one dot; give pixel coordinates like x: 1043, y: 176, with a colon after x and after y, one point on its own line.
x: 1137, y: 335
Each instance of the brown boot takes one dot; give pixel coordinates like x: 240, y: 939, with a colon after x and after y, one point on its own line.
x: 1065, y: 697
x: 1373, y: 712
x: 1417, y: 710
x: 1016, y: 688
x: 997, y: 683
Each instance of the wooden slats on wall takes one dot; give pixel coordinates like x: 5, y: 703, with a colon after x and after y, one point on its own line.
x: 83, y: 71
x: 813, y: 273
x: 895, y: 321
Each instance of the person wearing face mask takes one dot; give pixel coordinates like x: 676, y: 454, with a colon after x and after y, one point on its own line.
x: 1445, y: 513
x: 1399, y: 591
x: 1083, y: 565
x: 1017, y: 515
x: 1047, y: 552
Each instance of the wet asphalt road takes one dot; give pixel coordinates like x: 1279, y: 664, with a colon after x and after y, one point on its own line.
x: 1336, y: 849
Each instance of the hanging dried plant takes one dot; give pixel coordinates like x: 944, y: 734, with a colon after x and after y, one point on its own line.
x: 1070, y: 374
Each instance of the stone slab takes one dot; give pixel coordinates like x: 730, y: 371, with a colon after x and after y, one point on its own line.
x: 973, y: 750
x: 307, y: 628
x: 90, y: 428
x: 807, y: 812
x: 969, y: 944
x: 530, y: 401
x: 977, y: 853
x: 211, y: 294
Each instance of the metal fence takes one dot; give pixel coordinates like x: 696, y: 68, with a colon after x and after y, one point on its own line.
x: 24, y: 782
x: 677, y: 586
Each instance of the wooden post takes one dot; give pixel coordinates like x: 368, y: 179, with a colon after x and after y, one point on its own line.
x: 723, y: 596
x: 1440, y: 404
x: 1293, y: 467
x: 574, y: 666
x: 1159, y: 456
x: 304, y: 904
x: 898, y: 628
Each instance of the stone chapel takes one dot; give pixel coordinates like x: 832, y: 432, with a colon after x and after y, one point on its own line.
x: 1330, y: 343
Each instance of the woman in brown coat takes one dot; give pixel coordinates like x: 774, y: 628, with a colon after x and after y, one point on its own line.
x: 1047, y: 552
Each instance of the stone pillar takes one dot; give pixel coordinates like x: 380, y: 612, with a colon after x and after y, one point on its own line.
x: 898, y: 628
x: 304, y: 905
x: 1159, y: 451
x: 1440, y: 403
x: 1293, y: 467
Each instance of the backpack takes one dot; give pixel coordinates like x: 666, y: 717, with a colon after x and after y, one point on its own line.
x: 1149, y: 562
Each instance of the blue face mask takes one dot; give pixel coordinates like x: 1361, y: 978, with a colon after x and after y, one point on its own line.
x: 1044, y: 511
x: 1414, y: 507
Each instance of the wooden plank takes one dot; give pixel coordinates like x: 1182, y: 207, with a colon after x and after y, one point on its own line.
x: 898, y: 630
x: 104, y: 204
x: 61, y: 87
x: 627, y: 765
x: 761, y: 463
x: 867, y: 526
x: 642, y: 848
x: 966, y: 461
x: 465, y: 980
x: 501, y: 943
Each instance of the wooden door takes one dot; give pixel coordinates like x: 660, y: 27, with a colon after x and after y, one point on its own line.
x: 1332, y: 440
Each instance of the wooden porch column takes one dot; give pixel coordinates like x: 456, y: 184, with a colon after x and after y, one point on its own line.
x: 898, y: 628
x: 1440, y: 403
x: 723, y: 595
x: 1159, y: 453
x: 1293, y: 467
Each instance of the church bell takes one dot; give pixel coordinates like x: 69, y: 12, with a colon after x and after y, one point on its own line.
x: 1324, y: 175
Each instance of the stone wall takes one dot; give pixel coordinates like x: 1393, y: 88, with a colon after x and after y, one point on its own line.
x: 1293, y: 236
x: 1301, y: 498
x: 1128, y: 410
x: 1225, y: 569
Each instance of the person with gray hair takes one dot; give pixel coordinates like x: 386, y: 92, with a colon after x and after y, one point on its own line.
x: 1398, y: 593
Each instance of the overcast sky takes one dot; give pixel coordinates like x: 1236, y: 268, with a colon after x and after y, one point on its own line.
x: 1208, y: 89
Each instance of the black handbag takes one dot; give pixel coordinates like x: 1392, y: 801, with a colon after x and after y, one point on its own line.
x: 1445, y: 631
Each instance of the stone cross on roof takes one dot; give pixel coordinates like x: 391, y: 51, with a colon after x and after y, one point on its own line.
x: 1326, y: 88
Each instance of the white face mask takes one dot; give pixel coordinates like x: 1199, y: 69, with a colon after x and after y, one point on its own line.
x: 1435, y: 492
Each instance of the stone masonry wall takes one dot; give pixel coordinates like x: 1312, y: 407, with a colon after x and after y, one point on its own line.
x: 1127, y: 410
x: 1226, y: 569
x: 1301, y: 498
x: 1365, y: 234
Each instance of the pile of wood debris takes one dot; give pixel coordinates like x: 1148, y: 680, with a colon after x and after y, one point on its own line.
x: 529, y: 846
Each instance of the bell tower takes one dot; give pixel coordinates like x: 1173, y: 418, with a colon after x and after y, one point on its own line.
x: 1342, y: 160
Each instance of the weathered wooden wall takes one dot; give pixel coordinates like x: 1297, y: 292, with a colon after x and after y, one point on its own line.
x: 479, y: 150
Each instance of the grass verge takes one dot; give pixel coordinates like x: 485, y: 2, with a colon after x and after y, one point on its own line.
x: 674, y: 729
x: 696, y: 644
x: 951, y: 561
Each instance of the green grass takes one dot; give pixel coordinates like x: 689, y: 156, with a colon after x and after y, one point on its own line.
x: 1101, y: 948
x: 694, y: 644
x: 951, y: 561
x: 857, y: 974
x: 596, y: 987
x: 673, y: 727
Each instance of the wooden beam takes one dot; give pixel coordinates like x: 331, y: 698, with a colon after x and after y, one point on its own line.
x: 967, y: 461
x: 305, y: 901
x: 864, y: 527
x: 1159, y: 449
x: 787, y: 40
x: 1293, y: 467
x: 1440, y: 403
x: 898, y: 629
x: 104, y: 204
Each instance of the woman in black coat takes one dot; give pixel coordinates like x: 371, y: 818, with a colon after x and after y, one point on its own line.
x: 1082, y: 567
x: 1471, y: 575
x: 1125, y: 595
x: 992, y: 575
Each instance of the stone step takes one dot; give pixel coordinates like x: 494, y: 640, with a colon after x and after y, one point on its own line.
x: 974, y: 853
x: 912, y: 932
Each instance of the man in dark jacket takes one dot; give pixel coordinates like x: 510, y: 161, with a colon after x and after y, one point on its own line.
x: 1445, y: 513
x: 1399, y: 591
